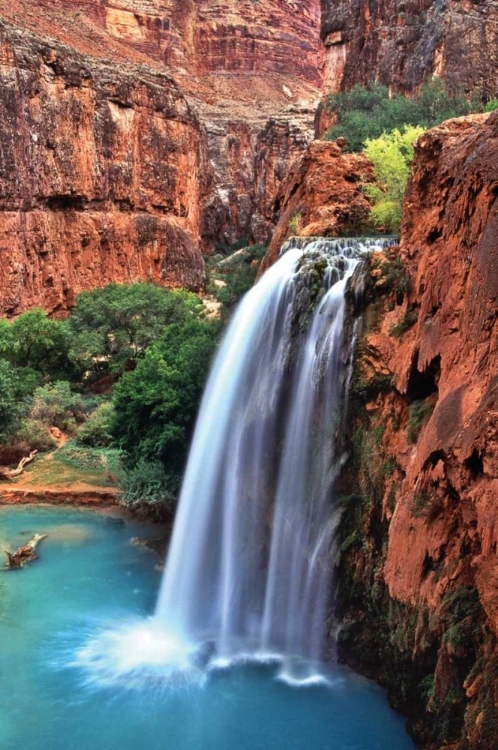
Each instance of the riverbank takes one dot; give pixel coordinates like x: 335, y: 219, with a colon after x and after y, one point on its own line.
x: 82, y: 496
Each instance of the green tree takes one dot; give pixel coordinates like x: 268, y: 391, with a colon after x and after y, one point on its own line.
x: 367, y: 112
x: 391, y: 155
x: 112, y: 327
x: 56, y: 405
x: 155, y: 405
x: 16, y: 387
x: 35, y: 341
x: 95, y: 432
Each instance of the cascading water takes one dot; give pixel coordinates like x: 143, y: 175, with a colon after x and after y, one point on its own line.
x: 249, y: 565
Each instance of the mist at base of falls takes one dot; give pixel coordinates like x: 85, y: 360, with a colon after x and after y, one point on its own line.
x: 249, y: 567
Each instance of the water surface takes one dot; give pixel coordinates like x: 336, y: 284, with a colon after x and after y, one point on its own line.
x: 88, y: 576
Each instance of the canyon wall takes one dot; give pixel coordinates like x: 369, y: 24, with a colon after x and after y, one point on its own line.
x: 143, y: 173
x: 102, y: 175
x: 400, y: 44
x: 419, y: 538
x: 322, y: 196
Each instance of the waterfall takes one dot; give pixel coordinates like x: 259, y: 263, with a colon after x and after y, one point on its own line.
x: 249, y: 564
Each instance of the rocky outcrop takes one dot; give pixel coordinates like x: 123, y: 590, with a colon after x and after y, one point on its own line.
x: 322, y: 196
x: 419, y: 568
x: 102, y: 174
x: 400, y: 44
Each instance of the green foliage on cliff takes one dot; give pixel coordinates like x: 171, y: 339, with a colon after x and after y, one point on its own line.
x: 367, y: 112
x: 391, y: 155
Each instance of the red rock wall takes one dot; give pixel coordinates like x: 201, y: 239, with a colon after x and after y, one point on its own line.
x: 323, y: 194
x: 428, y: 365
x: 400, y: 44
x: 102, y: 174
x: 250, y: 72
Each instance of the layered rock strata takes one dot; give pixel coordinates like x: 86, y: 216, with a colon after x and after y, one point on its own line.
x: 400, y: 44
x: 250, y: 71
x: 102, y: 175
x: 418, y: 549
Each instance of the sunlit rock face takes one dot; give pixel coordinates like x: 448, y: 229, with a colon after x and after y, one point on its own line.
x: 400, y: 44
x: 450, y: 242
x: 427, y: 363
x: 103, y: 168
x: 323, y: 195
x: 250, y: 71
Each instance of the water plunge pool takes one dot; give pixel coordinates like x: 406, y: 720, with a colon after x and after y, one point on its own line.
x: 90, y: 576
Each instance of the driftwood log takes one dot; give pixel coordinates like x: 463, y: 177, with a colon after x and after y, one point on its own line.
x: 24, y: 554
x: 8, y: 474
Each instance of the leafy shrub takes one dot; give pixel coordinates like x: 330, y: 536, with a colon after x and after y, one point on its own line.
x: 35, y: 436
x: 367, y: 112
x: 391, y: 155
x: 16, y: 387
x: 96, y: 431
x: 491, y: 106
x: 148, y: 492
x: 34, y: 341
x: 55, y: 405
x: 155, y: 405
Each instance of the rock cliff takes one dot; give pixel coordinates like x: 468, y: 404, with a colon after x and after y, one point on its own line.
x: 400, y: 44
x: 418, y: 559
x: 322, y: 196
x: 102, y: 175
x: 166, y: 168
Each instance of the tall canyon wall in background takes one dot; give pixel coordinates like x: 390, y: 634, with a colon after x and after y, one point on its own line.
x: 401, y: 42
x: 136, y: 134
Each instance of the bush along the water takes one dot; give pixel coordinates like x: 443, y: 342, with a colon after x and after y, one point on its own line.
x: 149, y: 492
x: 368, y: 112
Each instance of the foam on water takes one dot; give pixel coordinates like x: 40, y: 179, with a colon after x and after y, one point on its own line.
x: 137, y: 653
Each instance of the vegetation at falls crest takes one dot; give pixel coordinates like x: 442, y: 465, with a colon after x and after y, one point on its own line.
x: 385, y: 128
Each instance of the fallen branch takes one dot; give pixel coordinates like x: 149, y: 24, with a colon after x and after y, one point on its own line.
x: 24, y: 554
x: 7, y: 474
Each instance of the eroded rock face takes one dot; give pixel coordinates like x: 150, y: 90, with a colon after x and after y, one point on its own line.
x: 322, y: 196
x: 400, y: 44
x: 427, y: 448
x: 111, y: 162
x: 251, y: 71
x: 102, y: 175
